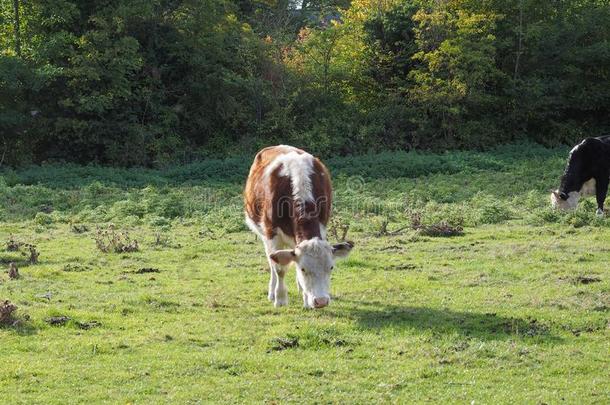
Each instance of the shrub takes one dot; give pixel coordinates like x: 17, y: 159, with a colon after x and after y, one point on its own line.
x: 109, y: 240
x: 43, y: 219
x: 6, y: 312
x: 490, y: 210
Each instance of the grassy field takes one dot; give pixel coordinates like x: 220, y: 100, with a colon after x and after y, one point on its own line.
x: 515, y: 310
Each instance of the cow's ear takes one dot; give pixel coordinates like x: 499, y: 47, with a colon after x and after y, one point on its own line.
x: 342, y: 249
x: 283, y: 257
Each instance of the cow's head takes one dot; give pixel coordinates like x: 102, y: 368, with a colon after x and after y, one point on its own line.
x: 315, y: 260
x: 577, y: 179
x: 564, y: 201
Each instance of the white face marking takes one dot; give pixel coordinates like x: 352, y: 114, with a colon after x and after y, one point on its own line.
x: 314, y: 265
x: 587, y: 189
x: 569, y: 204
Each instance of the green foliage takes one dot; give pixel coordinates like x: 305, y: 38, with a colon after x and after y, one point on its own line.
x: 152, y: 83
x: 42, y: 218
x: 453, y: 85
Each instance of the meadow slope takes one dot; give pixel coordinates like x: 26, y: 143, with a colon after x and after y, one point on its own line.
x: 513, y: 310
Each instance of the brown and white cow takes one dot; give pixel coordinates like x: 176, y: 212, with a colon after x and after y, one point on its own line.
x: 288, y: 199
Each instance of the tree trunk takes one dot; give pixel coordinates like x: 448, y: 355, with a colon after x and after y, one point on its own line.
x: 17, y: 28
x: 520, y: 43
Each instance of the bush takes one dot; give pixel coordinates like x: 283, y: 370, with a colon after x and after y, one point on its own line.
x: 43, y: 219
x: 112, y: 241
x: 490, y: 210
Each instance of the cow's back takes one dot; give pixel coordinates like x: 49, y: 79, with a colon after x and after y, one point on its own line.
x: 269, y: 195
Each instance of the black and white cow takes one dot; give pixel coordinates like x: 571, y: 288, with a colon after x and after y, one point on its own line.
x: 587, y: 173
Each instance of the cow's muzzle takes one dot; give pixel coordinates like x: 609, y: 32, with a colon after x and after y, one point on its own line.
x: 320, y: 302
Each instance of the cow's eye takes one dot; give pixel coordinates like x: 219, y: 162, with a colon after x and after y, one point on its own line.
x: 332, y: 267
x: 303, y: 270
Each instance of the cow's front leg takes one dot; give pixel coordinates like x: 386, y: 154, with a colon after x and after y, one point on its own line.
x: 601, y: 190
x: 305, y: 301
x: 302, y: 292
x: 279, y: 261
x: 281, y: 292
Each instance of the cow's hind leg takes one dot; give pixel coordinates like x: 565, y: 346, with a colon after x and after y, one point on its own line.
x: 278, y: 293
x: 601, y: 189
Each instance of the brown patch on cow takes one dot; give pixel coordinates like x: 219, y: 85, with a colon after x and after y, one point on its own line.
x: 272, y: 204
x: 277, y: 204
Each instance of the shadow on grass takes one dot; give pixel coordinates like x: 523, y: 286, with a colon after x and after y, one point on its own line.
x: 21, y: 328
x: 23, y: 262
x: 485, y: 326
x: 20, y: 263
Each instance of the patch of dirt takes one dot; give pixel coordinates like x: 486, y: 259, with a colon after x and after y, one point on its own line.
x: 401, y: 267
x: 576, y: 331
x: 581, y: 279
x: 531, y: 328
x: 88, y: 325
x: 75, y: 267
x: 57, y: 320
x: 442, y: 228
x: 283, y: 343
x: 586, y: 279
x: 145, y: 270
x: 335, y: 342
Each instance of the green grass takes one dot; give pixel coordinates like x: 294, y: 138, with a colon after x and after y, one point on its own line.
x: 514, y: 311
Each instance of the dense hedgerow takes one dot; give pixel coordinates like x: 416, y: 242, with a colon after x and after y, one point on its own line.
x: 155, y: 82
x: 509, y: 183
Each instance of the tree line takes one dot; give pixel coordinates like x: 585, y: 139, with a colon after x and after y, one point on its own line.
x: 151, y: 82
